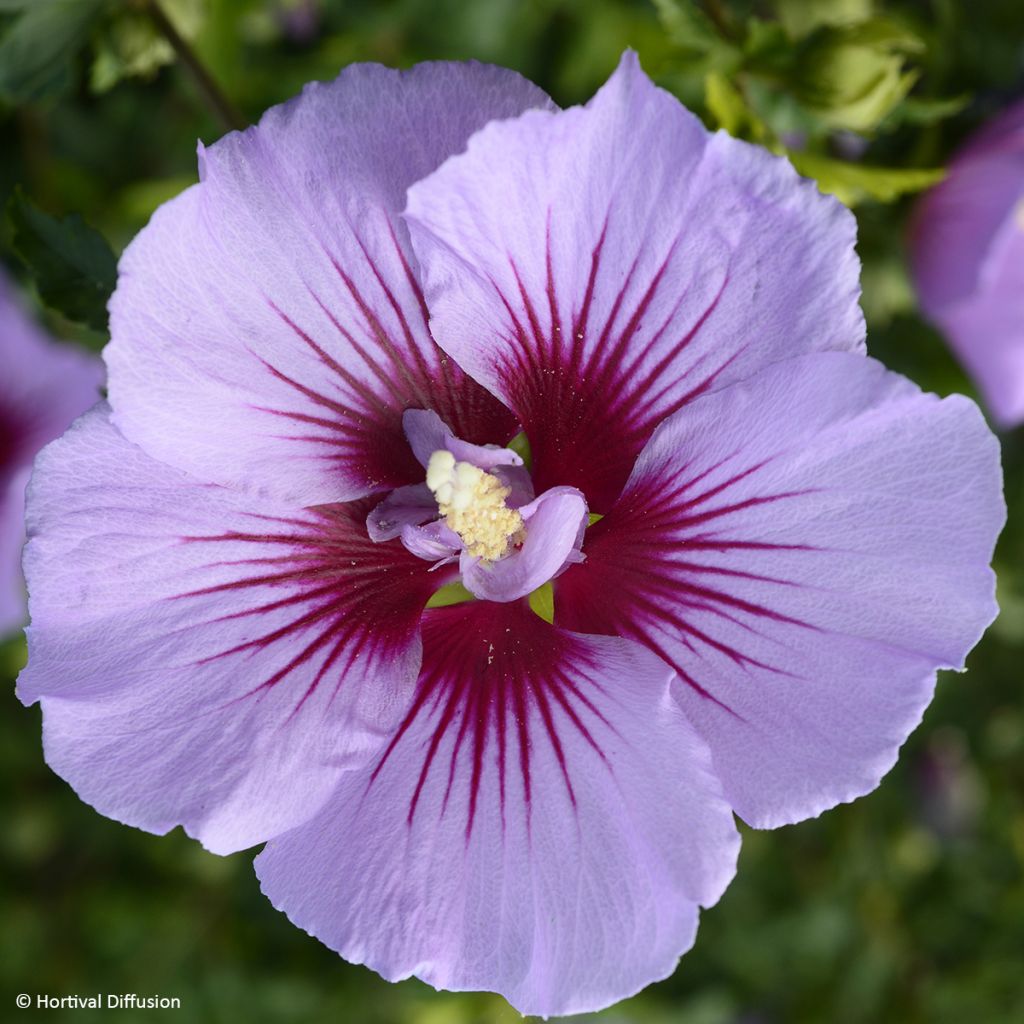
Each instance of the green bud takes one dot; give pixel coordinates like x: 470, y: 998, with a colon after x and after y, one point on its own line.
x: 851, y: 77
x: 800, y: 17
x: 130, y: 44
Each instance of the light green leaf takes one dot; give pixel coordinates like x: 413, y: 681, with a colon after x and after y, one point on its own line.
x: 724, y: 103
x: 852, y: 78
x: 449, y: 594
x: 729, y: 108
x: 36, y: 52
x: 801, y: 17
x: 542, y: 601
x: 854, y: 183
x: 131, y: 45
x: 520, y: 444
x: 916, y: 110
x: 74, y: 268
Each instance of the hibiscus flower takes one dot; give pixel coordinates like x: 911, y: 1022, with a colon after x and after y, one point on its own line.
x: 492, y: 708
x: 43, y: 387
x: 967, y: 260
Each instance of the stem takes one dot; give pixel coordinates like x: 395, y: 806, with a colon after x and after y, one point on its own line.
x: 220, y: 106
x: 718, y: 14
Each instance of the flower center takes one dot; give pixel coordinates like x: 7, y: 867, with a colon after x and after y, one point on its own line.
x: 473, y: 505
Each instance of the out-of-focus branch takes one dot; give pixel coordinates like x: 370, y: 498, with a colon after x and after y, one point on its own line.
x: 221, y: 107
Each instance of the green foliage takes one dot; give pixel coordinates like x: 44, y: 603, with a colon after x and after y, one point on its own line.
x: 449, y: 594
x: 72, y: 264
x: 520, y: 444
x: 725, y: 103
x: 542, y: 602
x: 130, y: 45
x: 801, y: 17
x: 37, y: 50
x: 821, y: 69
x: 689, y: 28
x: 904, y: 907
x: 853, y: 182
x: 853, y: 76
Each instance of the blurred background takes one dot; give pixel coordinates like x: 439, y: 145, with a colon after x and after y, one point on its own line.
x: 907, y: 906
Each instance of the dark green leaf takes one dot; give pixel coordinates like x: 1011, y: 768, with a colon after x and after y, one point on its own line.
x: 36, y: 52
x: 73, y: 265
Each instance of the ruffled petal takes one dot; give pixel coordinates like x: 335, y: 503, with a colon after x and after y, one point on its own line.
x: 554, y: 524
x: 435, y: 542
x: 12, y: 536
x: 543, y: 824
x: 967, y: 258
x: 806, y: 549
x: 986, y: 331
x: 405, y: 506
x: 268, y: 327
x: 599, y: 267
x: 428, y: 433
x: 204, y: 658
x: 44, y: 385
x: 957, y: 225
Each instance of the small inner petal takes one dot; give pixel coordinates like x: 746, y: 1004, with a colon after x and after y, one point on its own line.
x: 473, y: 504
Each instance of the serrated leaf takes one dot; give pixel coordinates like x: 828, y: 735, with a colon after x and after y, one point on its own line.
x: 853, y: 183
x: 74, y: 268
x: 36, y: 52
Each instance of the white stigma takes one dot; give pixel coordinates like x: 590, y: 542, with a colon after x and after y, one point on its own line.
x: 473, y: 505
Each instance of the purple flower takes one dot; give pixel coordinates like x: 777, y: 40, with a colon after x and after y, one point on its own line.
x: 967, y: 261
x: 43, y: 387
x: 229, y: 565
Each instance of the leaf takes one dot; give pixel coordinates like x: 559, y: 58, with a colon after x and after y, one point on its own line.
x: 542, y: 602
x: 74, y: 268
x: 687, y: 25
x: 800, y: 17
x: 520, y: 444
x: 724, y: 103
x: 36, y: 52
x: 449, y: 594
x: 131, y: 46
x: 917, y: 110
x: 854, y: 183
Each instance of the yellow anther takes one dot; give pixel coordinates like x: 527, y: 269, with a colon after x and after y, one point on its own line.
x: 473, y: 505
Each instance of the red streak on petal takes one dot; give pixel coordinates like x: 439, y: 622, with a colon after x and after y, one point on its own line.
x: 352, y: 599
x: 642, y: 579
x: 495, y: 679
